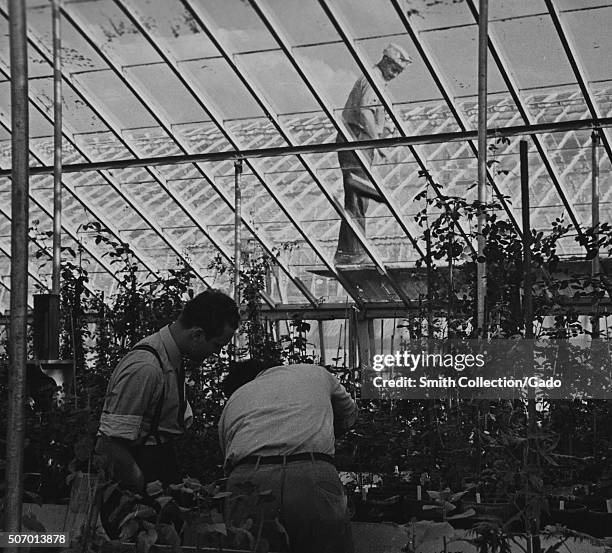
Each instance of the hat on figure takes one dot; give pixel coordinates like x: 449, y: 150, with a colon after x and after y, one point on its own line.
x: 398, y: 55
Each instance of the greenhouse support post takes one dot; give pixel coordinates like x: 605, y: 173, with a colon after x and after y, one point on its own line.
x: 17, y: 345
x: 57, y: 146
x: 527, y: 287
x: 321, y: 330
x: 481, y: 271
x: 533, y: 514
x: 237, y: 228
x: 595, y: 268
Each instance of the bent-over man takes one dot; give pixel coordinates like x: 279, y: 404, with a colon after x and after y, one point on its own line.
x: 277, y: 432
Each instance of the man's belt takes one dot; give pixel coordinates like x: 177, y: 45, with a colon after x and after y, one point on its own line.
x: 283, y: 459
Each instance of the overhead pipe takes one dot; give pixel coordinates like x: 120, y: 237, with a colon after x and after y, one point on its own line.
x: 327, y: 147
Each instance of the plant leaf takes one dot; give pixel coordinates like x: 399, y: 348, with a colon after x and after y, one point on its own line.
x: 146, y: 540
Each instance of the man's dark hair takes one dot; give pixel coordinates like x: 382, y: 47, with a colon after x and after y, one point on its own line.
x: 242, y: 372
x: 211, y: 311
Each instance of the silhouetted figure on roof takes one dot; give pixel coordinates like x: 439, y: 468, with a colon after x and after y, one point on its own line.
x: 365, y: 117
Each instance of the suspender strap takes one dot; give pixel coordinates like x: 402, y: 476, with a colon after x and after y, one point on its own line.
x: 154, y: 428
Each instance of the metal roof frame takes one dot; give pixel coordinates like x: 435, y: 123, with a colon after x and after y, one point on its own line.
x: 274, y: 28
x: 578, y: 69
x: 151, y: 107
x: 206, y: 104
x: 312, y: 170
x: 513, y: 88
x: 342, y: 29
x: 444, y: 89
x: 200, y: 18
x: 32, y: 39
x: 66, y: 133
x: 113, y: 127
x: 73, y: 233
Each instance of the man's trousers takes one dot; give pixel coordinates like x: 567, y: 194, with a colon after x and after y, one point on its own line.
x: 308, y: 500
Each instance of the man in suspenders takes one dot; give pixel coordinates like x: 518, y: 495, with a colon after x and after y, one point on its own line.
x: 145, y: 407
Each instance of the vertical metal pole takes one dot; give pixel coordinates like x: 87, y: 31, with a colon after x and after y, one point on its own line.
x: 533, y: 514
x: 237, y: 228
x: 17, y: 348
x: 322, y: 342
x: 57, y: 146
x: 595, y: 270
x: 527, y: 289
x: 352, y: 340
x: 481, y: 272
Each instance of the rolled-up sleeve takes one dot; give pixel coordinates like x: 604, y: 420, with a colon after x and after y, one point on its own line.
x: 343, y: 405
x: 133, y: 392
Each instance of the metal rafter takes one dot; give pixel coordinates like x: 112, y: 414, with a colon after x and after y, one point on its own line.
x: 259, y: 97
x: 444, y: 89
x: 156, y: 112
x: 514, y: 92
x: 108, y: 177
x: 578, y: 69
x: 274, y: 28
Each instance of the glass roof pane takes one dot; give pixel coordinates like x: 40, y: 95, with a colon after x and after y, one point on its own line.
x: 238, y: 24
x: 534, y: 52
x: 505, y: 9
x: 274, y: 76
x: 160, y: 83
x: 432, y: 15
x: 174, y: 25
x: 39, y: 126
x: 215, y: 78
x: 76, y: 54
x: 105, y: 24
x: 76, y: 116
x: 589, y: 32
x: 111, y: 96
x: 37, y: 66
x: 303, y: 20
x: 367, y: 22
x: 456, y: 53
